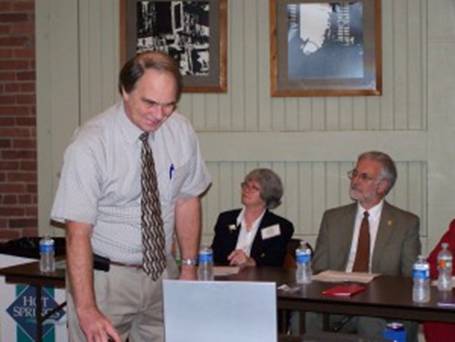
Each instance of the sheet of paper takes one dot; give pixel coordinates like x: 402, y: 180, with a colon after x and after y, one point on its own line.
x: 60, y: 264
x: 337, y: 276
x: 449, y: 303
x: 289, y: 289
x: 225, y: 270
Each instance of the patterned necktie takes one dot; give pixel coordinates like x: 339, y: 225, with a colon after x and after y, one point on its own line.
x: 362, y: 256
x: 153, y: 240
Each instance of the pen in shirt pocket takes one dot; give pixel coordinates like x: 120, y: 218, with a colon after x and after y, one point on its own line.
x: 171, y: 170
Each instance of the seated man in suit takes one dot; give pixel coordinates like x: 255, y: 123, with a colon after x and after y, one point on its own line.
x: 369, y: 235
x: 254, y: 236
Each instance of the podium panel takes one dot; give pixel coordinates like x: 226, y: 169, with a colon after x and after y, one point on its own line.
x: 222, y: 311
x: 18, y: 309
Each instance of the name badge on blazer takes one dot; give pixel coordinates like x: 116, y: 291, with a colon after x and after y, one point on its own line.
x: 269, y: 232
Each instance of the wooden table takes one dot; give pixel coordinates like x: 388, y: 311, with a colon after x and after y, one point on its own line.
x: 386, y: 296
x: 30, y: 274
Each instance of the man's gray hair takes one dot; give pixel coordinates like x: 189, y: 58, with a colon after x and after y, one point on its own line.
x: 389, y: 170
x: 271, y: 186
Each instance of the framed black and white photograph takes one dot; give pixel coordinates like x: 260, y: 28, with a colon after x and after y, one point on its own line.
x: 192, y: 32
x: 325, y: 47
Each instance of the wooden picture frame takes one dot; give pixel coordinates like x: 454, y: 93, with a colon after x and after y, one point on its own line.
x: 325, y: 47
x: 194, y: 32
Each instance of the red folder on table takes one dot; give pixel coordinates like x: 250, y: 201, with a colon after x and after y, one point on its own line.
x: 344, y: 290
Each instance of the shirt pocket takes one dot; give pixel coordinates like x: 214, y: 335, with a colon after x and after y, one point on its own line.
x: 177, y: 177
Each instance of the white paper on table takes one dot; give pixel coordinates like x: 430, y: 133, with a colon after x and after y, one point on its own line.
x: 338, y: 276
x: 225, y: 270
x: 60, y: 264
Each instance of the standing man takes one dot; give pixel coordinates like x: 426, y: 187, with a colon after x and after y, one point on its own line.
x: 130, y: 175
x: 369, y: 235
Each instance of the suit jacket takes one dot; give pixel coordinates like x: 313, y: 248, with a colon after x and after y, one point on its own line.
x: 396, y: 248
x: 266, y: 252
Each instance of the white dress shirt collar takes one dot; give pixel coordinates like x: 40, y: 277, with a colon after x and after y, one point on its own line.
x: 246, y: 237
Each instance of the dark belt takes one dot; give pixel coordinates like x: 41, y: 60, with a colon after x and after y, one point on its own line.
x: 116, y: 263
x: 104, y: 264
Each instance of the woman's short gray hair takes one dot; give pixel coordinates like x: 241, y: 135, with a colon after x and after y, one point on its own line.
x: 271, y: 186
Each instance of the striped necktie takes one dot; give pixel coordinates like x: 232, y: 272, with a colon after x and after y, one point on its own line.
x: 153, y: 239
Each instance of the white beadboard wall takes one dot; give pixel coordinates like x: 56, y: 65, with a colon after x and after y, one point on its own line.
x: 310, y: 188
x: 310, y: 142
x: 248, y: 106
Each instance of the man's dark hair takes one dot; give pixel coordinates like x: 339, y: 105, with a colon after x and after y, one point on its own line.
x: 136, y: 67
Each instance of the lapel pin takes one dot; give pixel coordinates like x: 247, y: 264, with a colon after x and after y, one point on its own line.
x: 389, y: 223
x: 232, y: 227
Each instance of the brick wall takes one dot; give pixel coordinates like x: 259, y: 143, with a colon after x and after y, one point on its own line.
x: 18, y: 172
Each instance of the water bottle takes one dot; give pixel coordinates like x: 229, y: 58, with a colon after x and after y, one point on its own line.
x: 445, y: 268
x: 205, y: 270
x: 47, y: 254
x: 421, y: 279
x: 303, y: 259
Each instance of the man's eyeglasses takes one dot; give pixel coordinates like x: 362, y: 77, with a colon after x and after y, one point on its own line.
x: 249, y: 187
x: 362, y: 176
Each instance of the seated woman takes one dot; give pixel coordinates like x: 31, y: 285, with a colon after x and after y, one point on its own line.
x: 253, y: 236
x: 435, y: 331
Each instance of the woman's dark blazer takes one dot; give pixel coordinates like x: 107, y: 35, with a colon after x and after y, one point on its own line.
x: 266, y: 252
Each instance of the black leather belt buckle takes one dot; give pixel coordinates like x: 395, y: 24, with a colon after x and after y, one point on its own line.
x: 101, y: 263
